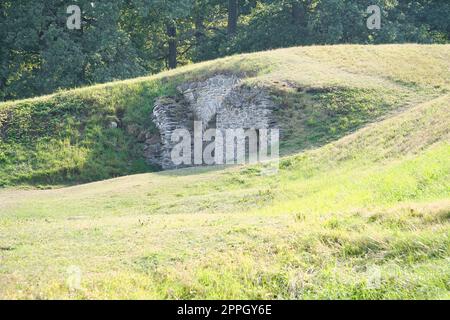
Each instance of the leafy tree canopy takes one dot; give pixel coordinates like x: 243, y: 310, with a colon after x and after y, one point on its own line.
x: 122, y: 39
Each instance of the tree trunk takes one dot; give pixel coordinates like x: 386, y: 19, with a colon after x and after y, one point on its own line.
x: 200, y: 37
x: 232, y: 17
x: 199, y: 30
x: 298, y: 13
x: 172, y: 34
x: 2, y: 89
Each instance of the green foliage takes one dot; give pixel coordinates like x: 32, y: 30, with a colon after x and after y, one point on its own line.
x: 123, y: 39
x: 40, y: 54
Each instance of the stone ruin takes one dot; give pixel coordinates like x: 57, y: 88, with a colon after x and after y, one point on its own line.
x: 220, y: 102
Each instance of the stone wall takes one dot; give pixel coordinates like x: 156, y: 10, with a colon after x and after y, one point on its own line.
x: 220, y: 102
x: 206, y: 98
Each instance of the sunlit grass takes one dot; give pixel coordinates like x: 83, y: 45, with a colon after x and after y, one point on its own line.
x: 364, y: 217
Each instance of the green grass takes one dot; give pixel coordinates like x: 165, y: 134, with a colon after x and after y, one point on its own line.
x: 360, y: 208
x: 324, y: 93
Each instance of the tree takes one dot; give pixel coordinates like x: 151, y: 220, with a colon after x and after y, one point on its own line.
x: 172, y: 35
x: 122, y: 39
x: 164, y: 26
x: 232, y: 17
x: 43, y: 55
x: 299, y: 13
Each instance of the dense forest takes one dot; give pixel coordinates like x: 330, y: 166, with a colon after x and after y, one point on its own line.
x: 120, y: 39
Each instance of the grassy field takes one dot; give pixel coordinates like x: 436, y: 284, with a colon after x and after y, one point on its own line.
x: 360, y: 208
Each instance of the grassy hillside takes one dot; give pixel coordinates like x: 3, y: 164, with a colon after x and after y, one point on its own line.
x: 324, y: 93
x: 362, y: 212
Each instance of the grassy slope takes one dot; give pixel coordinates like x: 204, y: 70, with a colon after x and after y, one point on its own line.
x: 376, y: 198
x: 324, y: 93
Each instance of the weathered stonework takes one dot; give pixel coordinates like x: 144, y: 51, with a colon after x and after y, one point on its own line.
x: 246, y: 108
x: 206, y: 98
x: 168, y: 116
x: 220, y: 102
